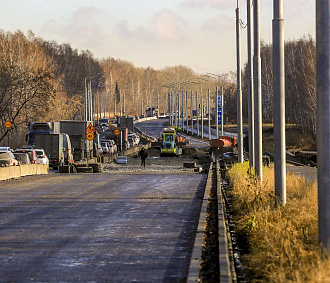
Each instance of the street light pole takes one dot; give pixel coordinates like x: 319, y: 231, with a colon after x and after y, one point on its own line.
x: 239, y: 90
x: 279, y: 103
x: 209, y: 112
x: 217, y: 113
x: 250, y: 85
x: 197, y: 113
x: 191, y: 112
x: 187, y: 120
x: 257, y: 91
x: 323, y: 119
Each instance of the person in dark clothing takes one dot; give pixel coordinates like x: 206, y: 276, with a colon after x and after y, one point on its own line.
x: 143, y: 155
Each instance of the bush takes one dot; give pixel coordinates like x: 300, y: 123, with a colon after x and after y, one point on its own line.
x: 281, y: 243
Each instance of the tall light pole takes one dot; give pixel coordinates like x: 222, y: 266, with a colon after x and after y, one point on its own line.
x: 279, y: 103
x: 202, y: 108
x: 250, y: 85
x: 209, y: 111
x: 239, y: 89
x: 257, y: 91
x: 217, y: 113
x: 323, y: 119
x: 217, y: 103
x: 88, y: 101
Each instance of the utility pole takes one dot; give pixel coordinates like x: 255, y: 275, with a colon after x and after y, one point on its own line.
x: 279, y: 103
x: 250, y: 85
x: 191, y: 112
x: 323, y: 119
x: 257, y: 91
x: 222, y: 103
x: 202, y: 114
x: 157, y: 105
x: 85, y: 101
x: 217, y: 112
x: 209, y: 112
x: 124, y: 103
x: 170, y: 101
x: 121, y: 105
x: 239, y: 90
x: 175, y: 108
x: 91, y: 112
x: 187, y: 116
x: 197, y: 113
x: 182, y: 109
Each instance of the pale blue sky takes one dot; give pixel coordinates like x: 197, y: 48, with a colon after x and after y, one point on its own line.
x: 196, y: 33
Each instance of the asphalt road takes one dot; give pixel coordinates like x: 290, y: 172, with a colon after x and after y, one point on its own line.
x: 309, y: 173
x: 155, y: 127
x: 98, y: 227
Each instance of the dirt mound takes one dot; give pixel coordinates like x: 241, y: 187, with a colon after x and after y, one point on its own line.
x: 193, y: 151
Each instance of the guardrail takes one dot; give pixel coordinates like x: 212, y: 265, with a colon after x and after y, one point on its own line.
x: 22, y: 170
x: 12, y: 172
x: 225, y: 252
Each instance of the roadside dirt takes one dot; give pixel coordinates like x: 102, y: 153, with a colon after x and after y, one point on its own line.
x: 155, y: 163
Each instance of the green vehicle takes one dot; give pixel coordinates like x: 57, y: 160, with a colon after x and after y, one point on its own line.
x: 169, y: 143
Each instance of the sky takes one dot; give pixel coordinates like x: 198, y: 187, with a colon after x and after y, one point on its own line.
x: 199, y: 34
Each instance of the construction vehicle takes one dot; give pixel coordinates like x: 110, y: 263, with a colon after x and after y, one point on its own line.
x: 170, y: 142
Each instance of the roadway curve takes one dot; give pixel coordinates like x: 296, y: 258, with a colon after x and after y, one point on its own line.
x: 154, y: 128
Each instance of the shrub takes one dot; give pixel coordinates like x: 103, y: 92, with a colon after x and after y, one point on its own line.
x: 281, y: 243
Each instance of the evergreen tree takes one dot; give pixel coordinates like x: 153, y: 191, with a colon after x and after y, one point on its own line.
x: 117, y: 93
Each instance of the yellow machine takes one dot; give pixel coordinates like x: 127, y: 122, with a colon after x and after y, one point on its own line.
x: 169, y: 143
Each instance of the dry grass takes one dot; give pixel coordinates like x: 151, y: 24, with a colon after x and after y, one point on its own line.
x: 281, y: 242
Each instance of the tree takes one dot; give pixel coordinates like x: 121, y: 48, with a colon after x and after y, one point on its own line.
x: 117, y: 93
x: 26, y: 80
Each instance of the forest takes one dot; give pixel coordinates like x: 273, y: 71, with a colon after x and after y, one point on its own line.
x: 46, y: 81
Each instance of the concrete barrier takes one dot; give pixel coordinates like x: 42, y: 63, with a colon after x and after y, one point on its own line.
x: 22, y: 170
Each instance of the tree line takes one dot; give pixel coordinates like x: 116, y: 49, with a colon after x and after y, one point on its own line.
x: 300, y: 83
x: 45, y: 81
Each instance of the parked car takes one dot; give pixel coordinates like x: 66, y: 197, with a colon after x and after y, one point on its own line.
x: 23, y: 158
x: 42, y: 157
x: 131, y: 141
x: 7, y: 158
x: 113, y: 145
x: 5, y: 148
x: 31, y: 152
x: 106, y: 148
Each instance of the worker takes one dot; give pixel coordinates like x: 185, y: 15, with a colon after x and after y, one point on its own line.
x: 143, y: 155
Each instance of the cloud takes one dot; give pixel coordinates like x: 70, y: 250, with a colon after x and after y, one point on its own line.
x: 82, y: 28
x: 169, y: 26
x: 165, y: 26
x: 214, y: 4
x: 221, y: 23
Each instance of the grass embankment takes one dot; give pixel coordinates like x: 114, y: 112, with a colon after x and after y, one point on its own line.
x: 280, y: 243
